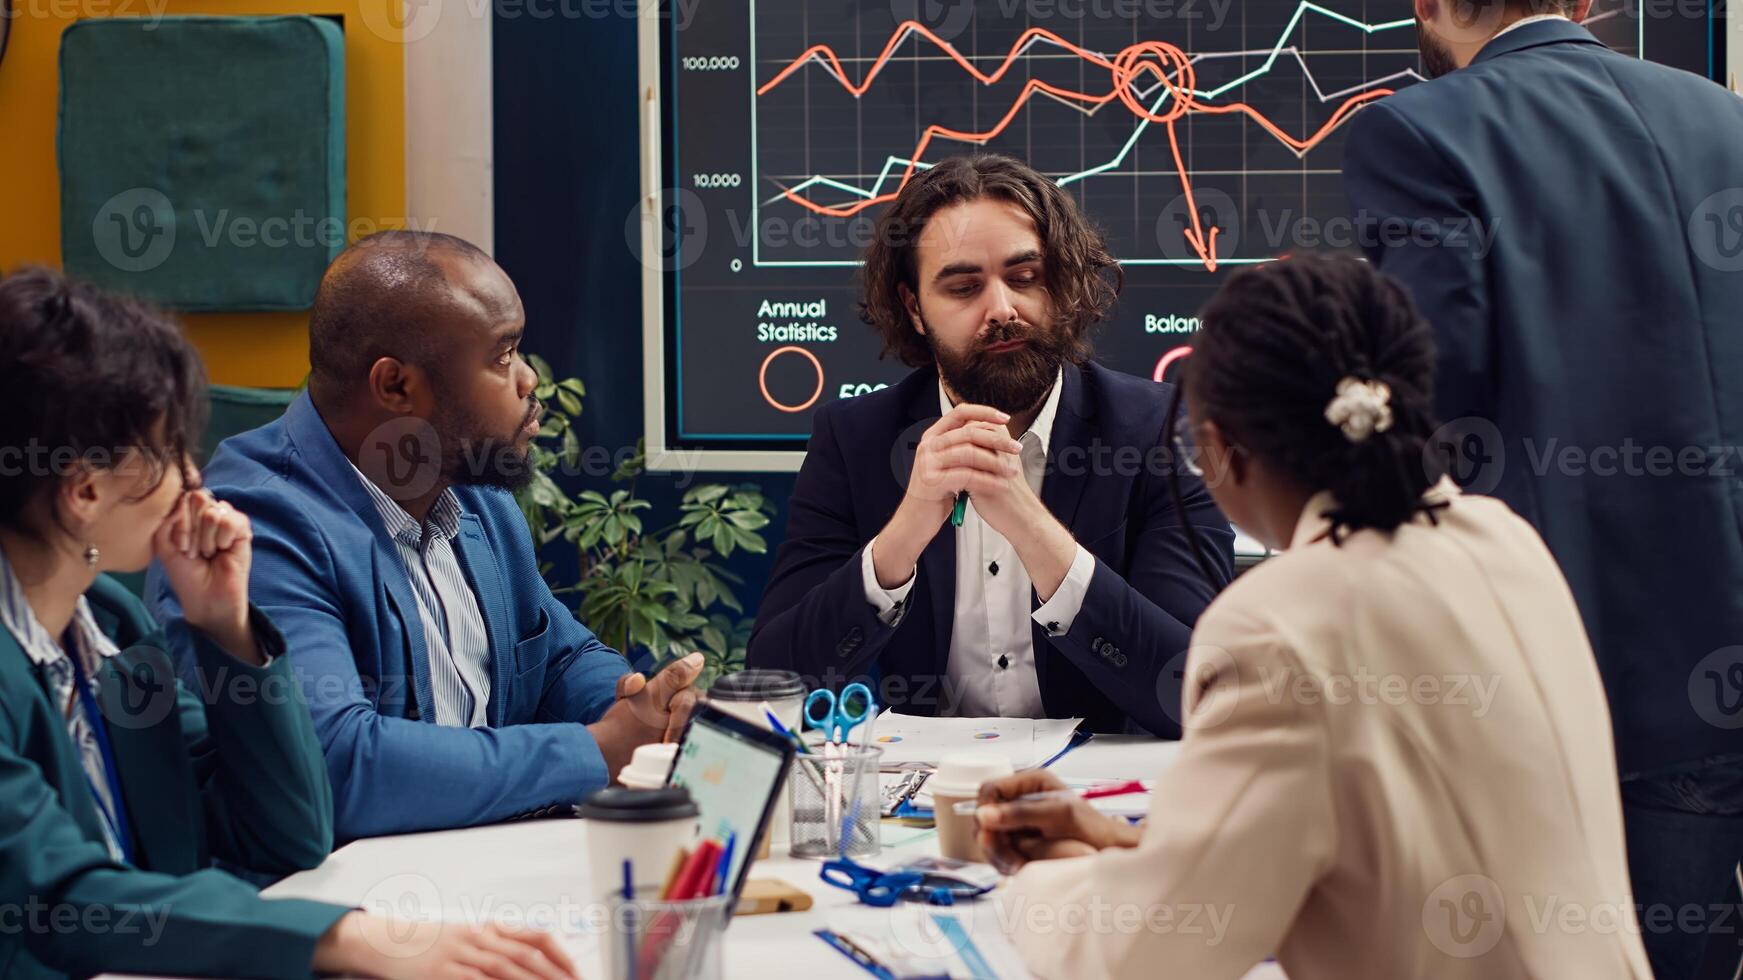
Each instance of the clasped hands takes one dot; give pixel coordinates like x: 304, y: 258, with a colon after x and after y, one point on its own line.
x: 970, y: 449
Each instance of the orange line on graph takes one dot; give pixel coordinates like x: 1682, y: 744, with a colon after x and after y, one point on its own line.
x: 1165, y: 61
x: 919, y: 28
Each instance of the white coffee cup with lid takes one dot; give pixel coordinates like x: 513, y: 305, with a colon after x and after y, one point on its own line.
x: 742, y: 695
x: 647, y: 826
x: 959, y: 778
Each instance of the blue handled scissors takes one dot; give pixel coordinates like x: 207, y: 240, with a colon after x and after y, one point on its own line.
x: 838, y: 717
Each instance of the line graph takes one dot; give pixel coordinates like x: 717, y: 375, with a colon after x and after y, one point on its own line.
x: 1154, y: 80
x: 1195, y: 144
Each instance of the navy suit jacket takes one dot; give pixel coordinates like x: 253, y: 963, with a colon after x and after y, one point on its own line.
x: 329, y: 576
x: 1106, y: 480
x: 1601, y: 334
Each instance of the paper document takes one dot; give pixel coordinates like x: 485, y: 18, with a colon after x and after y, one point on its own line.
x: 912, y: 740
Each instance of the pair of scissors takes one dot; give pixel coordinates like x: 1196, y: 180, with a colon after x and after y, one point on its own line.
x: 883, y: 889
x: 838, y: 717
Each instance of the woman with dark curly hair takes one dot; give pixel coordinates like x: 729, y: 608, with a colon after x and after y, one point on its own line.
x: 1008, y: 465
x: 1397, y: 760
x: 119, y: 787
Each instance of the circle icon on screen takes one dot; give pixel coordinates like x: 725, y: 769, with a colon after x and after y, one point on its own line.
x: 763, y: 379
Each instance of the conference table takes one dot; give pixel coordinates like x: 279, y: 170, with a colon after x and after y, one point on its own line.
x: 535, y: 871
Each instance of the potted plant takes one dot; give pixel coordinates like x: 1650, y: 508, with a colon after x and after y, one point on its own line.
x: 664, y: 590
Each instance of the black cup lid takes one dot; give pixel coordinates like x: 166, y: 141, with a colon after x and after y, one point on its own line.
x: 617, y: 804
x: 757, y: 685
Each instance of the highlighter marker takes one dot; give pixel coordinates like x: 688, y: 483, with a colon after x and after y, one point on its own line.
x: 961, y: 508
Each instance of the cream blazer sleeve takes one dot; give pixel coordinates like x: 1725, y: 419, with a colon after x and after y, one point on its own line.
x: 1241, y: 827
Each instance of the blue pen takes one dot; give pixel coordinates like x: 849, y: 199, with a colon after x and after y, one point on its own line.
x: 725, y: 865
x: 782, y: 730
x: 629, y: 926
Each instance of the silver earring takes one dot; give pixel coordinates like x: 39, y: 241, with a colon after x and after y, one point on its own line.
x: 91, y: 555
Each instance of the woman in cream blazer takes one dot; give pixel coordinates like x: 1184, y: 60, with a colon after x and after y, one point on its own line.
x: 1397, y: 761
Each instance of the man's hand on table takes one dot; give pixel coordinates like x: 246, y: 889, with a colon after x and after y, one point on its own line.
x: 1013, y: 833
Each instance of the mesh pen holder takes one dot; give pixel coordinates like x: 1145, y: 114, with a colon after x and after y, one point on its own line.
x: 836, y: 802
x: 648, y: 939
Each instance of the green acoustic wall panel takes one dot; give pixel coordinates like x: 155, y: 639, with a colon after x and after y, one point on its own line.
x: 202, y: 159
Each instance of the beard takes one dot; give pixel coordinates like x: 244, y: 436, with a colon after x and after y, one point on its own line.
x: 1436, y: 59
x: 473, y: 456
x: 1012, y: 382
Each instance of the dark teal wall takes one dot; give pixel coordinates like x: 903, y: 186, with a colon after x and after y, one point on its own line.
x: 567, y: 161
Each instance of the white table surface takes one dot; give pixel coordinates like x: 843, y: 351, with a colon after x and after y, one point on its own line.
x: 535, y: 872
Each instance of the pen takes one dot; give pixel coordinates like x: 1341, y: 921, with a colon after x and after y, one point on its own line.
x: 629, y: 931
x: 782, y: 730
x: 957, y: 512
x: 967, y: 807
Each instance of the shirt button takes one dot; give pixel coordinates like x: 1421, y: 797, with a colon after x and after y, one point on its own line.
x: 993, y: 568
x: 1004, y: 661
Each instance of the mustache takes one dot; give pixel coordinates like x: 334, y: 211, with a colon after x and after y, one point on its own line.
x: 1011, y: 330
x: 533, y: 409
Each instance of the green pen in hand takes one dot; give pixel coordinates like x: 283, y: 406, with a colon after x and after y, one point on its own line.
x: 961, y: 508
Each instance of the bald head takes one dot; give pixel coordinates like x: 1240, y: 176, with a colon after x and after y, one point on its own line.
x: 408, y: 295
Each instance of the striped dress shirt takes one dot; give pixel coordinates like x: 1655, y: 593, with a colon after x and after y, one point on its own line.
x: 454, y: 636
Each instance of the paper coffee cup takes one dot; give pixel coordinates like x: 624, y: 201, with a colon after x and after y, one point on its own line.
x: 649, y: 766
x: 742, y: 695
x: 958, y: 780
x: 647, y: 826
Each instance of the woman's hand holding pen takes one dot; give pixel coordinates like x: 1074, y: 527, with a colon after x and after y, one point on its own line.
x: 1014, y: 831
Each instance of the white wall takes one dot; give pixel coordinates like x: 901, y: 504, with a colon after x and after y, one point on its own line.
x: 449, y: 165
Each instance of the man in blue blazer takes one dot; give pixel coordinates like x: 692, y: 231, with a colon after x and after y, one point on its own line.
x: 1589, y: 371
x: 1071, y: 586
x: 448, y: 686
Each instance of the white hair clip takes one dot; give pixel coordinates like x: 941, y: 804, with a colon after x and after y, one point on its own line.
x: 1361, y: 408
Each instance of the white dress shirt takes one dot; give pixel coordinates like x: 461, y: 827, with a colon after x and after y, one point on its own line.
x: 454, y: 636
x: 991, y: 670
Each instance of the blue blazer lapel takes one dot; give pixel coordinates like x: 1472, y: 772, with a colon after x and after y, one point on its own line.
x: 390, y: 572
x: 327, y: 461
x: 1062, y: 490
x: 479, y: 564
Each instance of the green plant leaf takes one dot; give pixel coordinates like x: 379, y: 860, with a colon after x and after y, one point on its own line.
x: 706, y: 494
x: 748, y: 520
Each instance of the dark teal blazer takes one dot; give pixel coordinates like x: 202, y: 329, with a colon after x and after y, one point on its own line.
x: 231, y: 772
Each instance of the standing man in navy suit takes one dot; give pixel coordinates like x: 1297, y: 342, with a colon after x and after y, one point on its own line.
x: 1595, y: 351
x: 1070, y: 588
